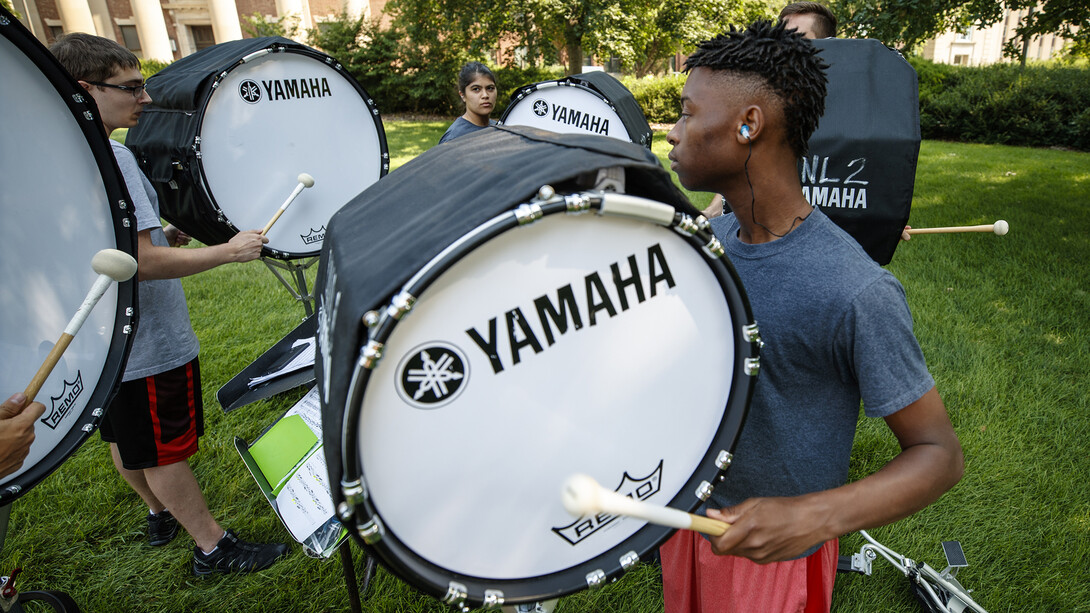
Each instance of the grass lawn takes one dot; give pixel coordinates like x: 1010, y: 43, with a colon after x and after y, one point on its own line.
x: 1002, y: 321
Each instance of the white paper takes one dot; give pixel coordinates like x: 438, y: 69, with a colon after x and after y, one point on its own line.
x: 309, y: 408
x: 305, y: 502
x: 297, y: 363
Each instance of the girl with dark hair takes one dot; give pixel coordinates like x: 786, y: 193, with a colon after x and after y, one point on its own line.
x: 477, y: 87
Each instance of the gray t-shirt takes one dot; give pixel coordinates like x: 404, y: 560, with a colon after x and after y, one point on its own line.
x: 164, y: 337
x: 837, y: 330
x: 461, y: 127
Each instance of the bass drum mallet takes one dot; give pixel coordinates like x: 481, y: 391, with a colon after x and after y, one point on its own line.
x: 305, y: 181
x: 111, y: 265
x: 582, y: 496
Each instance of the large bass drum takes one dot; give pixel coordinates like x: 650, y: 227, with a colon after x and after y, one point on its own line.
x: 588, y: 103
x: 534, y: 334
x: 232, y: 127
x: 63, y: 200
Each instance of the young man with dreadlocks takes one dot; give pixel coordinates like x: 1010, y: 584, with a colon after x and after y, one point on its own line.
x: 836, y: 329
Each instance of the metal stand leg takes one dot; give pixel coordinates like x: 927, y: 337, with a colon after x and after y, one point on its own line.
x: 296, y: 269
x: 350, y: 576
x: 11, y: 599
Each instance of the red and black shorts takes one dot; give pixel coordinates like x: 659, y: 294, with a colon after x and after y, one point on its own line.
x: 156, y: 421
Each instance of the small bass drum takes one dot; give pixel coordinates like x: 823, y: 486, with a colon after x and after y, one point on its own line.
x: 589, y: 103
x: 560, y: 336
x: 231, y: 128
x: 63, y: 201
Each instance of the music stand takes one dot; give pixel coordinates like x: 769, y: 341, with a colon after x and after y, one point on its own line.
x: 237, y: 392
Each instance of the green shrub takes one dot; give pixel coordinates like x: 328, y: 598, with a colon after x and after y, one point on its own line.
x: 659, y: 97
x: 1040, y: 106
x: 150, y: 67
x: 511, y: 78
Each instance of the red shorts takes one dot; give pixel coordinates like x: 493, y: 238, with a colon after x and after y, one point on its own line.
x: 156, y: 421
x: 695, y: 580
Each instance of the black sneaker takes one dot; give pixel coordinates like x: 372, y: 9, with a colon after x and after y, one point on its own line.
x: 233, y: 555
x: 162, y: 528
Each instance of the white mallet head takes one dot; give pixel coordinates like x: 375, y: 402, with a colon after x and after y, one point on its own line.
x: 305, y: 179
x: 1000, y: 227
x: 580, y: 495
x: 115, y: 264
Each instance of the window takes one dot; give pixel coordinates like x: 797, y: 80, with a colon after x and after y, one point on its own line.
x: 202, y: 37
x: 965, y: 36
x: 56, y: 32
x: 131, y: 40
x: 961, y: 60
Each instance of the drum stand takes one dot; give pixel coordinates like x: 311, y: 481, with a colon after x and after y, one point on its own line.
x: 296, y: 270
x: 11, y: 599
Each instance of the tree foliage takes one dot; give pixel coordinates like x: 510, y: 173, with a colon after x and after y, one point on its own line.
x: 907, y: 23
x: 258, y: 25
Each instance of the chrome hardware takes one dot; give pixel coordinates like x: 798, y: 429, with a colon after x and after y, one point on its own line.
x: 753, y: 335
x: 596, y: 579
x: 724, y: 460
x: 127, y: 329
x: 704, y: 491
x: 400, y: 305
x: 546, y: 192
x: 373, y: 531
x: 714, y: 248
x: 686, y: 226
x: 97, y: 413
x: 344, y: 511
x: 371, y: 319
x: 629, y: 560
x: 752, y: 366
x: 371, y: 354
x: 527, y: 214
x: 456, y: 594
x: 577, y: 203
x: 492, y: 598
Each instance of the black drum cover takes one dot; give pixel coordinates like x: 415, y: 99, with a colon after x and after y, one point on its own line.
x: 861, y: 164
x: 450, y: 229
x: 64, y: 200
x: 231, y: 128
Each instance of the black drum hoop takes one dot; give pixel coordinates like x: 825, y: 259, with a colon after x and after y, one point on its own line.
x: 459, y: 590
x: 123, y: 218
x: 200, y: 175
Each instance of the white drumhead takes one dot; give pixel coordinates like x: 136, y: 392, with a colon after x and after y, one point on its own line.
x: 56, y: 217
x: 464, y: 464
x: 567, y: 109
x: 273, y: 118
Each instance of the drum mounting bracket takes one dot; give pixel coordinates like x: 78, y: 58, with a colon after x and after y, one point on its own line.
x: 297, y: 286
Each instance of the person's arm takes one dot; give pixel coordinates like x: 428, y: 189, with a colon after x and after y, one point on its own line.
x: 17, y: 418
x: 156, y: 262
x: 930, y: 463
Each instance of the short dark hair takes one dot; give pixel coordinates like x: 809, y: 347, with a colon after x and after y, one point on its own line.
x: 92, y: 58
x: 825, y: 19
x: 469, y: 73
x: 779, y: 61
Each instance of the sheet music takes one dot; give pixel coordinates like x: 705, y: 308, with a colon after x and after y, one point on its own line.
x: 305, y: 503
x: 304, y: 359
x: 309, y: 408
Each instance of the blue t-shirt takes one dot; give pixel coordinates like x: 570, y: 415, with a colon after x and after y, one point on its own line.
x: 836, y: 329
x: 461, y: 127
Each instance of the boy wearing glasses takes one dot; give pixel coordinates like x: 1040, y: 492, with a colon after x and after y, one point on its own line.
x: 154, y: 423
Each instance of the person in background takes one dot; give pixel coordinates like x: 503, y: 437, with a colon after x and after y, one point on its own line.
x: 154, y: 423
x: 811, y: 19
x: 836, y: 331
x: 477, y: 87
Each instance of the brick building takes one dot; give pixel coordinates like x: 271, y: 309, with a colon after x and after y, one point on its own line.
x: 170, y: 29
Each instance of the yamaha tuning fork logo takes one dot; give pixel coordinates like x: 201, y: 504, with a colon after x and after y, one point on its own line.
x: 541, y: 108
x: 249, y: 91
x: 432, y: 375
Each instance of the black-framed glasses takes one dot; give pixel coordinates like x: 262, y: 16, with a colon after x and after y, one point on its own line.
x: 135, y: 90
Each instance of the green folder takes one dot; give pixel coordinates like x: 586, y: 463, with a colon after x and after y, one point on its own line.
x: 279, y: 450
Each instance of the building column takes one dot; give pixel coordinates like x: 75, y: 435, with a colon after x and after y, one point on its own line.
x: 76, y: 16
x: 100, y: 14
x: 225, y: 20
x: 358, y: 8
x: 301, y: 12
x: 151, y: 27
